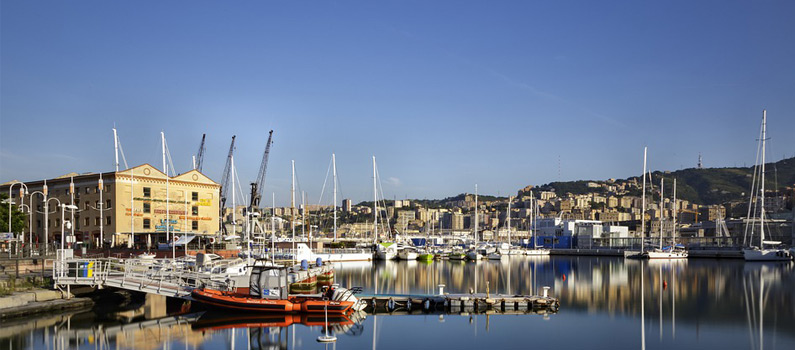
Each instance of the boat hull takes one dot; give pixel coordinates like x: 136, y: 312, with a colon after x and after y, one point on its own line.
x: 536, y: 252
x: 666, y: 255
x: 767, y: 255
x: 232, y: 301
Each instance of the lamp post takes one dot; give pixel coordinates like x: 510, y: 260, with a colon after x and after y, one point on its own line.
x: 63, y: 222
x: 47, y: 221
x: 12, y: 202
x: 22, y: 207
x: 30, y: 205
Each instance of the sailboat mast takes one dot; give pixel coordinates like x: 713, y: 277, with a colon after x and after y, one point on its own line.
x: 508, y: 219
x: 292, y: 204
x: 165, y: 170
x: 234, y: 216
x: 375, y: 206
x: 662, y: 197
x: 476, y: 213
x: 334, y: 165
x: 762, y: 185
x: 643, y: 204
x: 673, y: 233
x: 116, y: 148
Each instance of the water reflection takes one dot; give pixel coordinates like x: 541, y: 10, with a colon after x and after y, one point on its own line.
x: 604, y: 302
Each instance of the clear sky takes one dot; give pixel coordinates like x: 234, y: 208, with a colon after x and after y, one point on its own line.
x: 445, y: 94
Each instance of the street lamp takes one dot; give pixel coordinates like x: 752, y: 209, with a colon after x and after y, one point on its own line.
x: 63, y: 222
x: 21, y: 193
x: 22, y: 207
x: 47, y: 220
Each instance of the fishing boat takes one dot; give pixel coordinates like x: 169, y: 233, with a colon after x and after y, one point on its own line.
x: 760, y: 253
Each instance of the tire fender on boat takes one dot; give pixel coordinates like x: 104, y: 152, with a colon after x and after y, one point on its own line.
x: 390, y: 305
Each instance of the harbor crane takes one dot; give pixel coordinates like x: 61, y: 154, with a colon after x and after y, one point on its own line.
x: 198, y: 160
x: 259, y: 184
x: 225, y: 182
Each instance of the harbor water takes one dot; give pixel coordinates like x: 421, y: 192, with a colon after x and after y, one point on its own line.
x: 605, y: 302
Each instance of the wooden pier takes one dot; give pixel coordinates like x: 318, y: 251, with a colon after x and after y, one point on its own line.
x: 458, y: 303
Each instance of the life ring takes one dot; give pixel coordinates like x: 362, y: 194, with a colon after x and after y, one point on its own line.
x: 212, y: 240
x: 176, y: 238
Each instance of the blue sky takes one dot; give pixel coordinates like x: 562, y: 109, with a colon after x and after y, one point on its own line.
x: 445, y: 94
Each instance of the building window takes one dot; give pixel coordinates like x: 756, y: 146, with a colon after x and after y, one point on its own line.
x: 107, y: 204
x: 146, y: 224
x: 194, y: 225
x: 194, y: 210
x: 107, y: 220
x: 86, y: 205
x: 107, y: 188
x: 57, y: 222
x: 87, y: 222
x: 97, y: 221
x: 194, y: 196
x: 147, y: 192
x: 147, y: 208
x: 88, y: 189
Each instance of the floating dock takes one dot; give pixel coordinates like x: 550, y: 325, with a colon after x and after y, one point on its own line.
x: 457, y: 303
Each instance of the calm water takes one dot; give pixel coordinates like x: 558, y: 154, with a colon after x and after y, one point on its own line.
x: 704, y: 304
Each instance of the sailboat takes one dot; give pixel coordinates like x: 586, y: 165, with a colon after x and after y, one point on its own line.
x: 761, y: 253
x: 473, y: 254
x: 536, y: 251
x: 673, y: 251
x: 383, y: 250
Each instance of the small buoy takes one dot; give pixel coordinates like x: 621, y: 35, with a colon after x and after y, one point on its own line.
x: 564, y: 276
x: 665, y: 284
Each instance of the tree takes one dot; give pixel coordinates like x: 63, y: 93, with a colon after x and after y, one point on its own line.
x: 18, y: 219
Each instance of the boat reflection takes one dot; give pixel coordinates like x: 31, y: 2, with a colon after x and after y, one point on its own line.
x: 339, y: 324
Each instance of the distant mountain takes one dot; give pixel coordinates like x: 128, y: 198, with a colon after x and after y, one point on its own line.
x: 702, y: 186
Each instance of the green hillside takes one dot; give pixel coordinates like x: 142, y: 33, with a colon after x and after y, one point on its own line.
x: 703, y: 186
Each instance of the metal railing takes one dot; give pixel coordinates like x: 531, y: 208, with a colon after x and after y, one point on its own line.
x: 158, y: 276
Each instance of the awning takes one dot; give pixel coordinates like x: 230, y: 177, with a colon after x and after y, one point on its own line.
x: 184, y: 239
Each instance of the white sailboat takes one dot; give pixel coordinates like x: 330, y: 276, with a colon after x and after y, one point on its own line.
x: 760, y: 253
x: 673, y: 251
x: 383, y: 250
x: 535, y: 251
x: 473, y: 254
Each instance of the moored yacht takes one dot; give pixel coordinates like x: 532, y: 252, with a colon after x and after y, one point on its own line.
x: 760, y: 253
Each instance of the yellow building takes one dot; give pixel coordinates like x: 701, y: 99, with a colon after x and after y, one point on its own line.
x: 190, y: 205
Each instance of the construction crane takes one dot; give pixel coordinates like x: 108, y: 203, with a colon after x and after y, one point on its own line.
x: 225, y: 182
x: 259, y: 184
x: 199, y: 159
